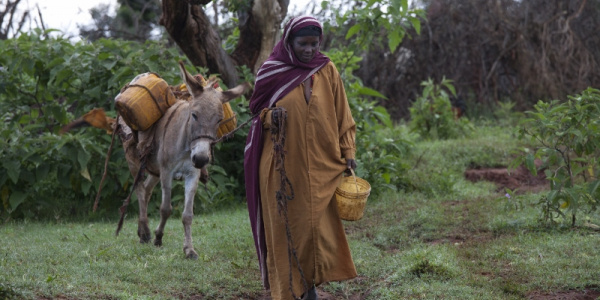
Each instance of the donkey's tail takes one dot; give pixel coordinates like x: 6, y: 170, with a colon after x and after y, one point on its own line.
x: 95, y: 118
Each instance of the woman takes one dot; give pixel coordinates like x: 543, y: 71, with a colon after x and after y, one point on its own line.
x: 299, y: 87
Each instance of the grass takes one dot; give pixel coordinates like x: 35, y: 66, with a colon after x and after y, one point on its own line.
x: 447, y: 238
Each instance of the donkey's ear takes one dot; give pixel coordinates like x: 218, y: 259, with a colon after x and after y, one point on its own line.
x: 235, y: 92
x: 193, y: 86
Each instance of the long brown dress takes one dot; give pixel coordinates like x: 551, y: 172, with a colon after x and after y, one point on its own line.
x: 320, y: 135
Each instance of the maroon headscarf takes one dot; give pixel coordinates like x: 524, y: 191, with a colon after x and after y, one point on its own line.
x: 278, y: 75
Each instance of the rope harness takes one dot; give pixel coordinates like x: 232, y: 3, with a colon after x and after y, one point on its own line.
x: 283, y: 195
x: 138, y: 177
x: 112, y: 142
x: 149, y: 93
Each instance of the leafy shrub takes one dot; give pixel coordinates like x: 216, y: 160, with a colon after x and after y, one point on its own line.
x: 431, y: 114
x: 46, y: 83
x: 379, y: 148
x: 567, y: 136
x: 381, y: 22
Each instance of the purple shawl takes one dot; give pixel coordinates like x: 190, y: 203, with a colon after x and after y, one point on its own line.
x: 278, y: 75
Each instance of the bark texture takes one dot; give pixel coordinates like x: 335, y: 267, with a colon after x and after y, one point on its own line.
x: 190, y: 27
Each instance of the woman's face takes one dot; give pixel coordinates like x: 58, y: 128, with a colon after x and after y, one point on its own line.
x: 305, y: 47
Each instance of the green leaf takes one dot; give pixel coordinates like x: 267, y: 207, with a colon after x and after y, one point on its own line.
x: 383, y: 116
x: 56, y: 112
x: 416, y: 23
x: 404, y: 5
x: 35, y: 113
x: 551, y: 195
x: 83, y: 158
x: 13, y: 169
x: 103, y: 56
x: 16, y: 198
x: 86, y: 174
x: 108, y: 64
x: 324, y: 5
x: 27, y: 176
x: 593, y: 187
x: 55, y: 62
x: 85, y: 187
x: 62, y: 75
x: 386, y: 177
x: 353, y: 30
x: 449, y: 86
x: 41, y: 172
x: 370, y: 92
x: 395, y: 38
x: 530, y: 164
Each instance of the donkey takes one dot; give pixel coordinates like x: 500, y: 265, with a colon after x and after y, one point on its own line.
x: 181, y: 143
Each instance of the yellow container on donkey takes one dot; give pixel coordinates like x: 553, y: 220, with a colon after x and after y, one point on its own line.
x: 144, y: 100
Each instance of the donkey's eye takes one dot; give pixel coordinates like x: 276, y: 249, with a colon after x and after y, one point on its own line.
x: 195, y: 116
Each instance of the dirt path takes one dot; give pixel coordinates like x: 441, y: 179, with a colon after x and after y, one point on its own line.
x: 519, y: 179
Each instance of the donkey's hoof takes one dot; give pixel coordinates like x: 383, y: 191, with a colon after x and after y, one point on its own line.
x: 145, y: 239
x: 158, y: 238
x: 144, y: 235
x: 190, y: 253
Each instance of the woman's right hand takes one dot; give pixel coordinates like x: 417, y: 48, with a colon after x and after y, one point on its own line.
x: 350, y: 165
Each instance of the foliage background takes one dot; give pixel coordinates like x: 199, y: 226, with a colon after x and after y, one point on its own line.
x: 48, y: 82
x: 378, y: 46
x: 427, y: 232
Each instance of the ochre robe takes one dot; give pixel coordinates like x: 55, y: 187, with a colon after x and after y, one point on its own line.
x: 320, y: 135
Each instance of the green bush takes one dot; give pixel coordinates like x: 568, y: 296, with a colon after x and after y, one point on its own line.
x: 46, y: 83
x: 379, y: 147
x: 431, y: 114
x: 567, y: 139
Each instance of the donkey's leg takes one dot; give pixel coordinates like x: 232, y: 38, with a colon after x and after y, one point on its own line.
x: 165, y: 206
x: 191, y: 184
x: 143, y: 192
x: 143, y: 197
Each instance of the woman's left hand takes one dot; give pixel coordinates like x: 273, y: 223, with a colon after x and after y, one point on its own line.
x: 350, y: 164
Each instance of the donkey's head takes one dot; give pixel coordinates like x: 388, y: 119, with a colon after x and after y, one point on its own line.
x: 205, y: 115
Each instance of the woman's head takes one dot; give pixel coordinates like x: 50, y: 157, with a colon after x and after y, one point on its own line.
x: 305, y: 42
x: 302, y: 37
x: 288, y: 66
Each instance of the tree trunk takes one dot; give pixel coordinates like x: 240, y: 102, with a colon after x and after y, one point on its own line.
x: 585, y: 25
x: 260, y: 32
x: 190, y: 28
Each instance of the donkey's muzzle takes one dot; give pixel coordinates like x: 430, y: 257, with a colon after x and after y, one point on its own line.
x: 200, y: 160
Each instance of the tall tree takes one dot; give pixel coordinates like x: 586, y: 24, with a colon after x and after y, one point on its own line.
x: 189, y: 26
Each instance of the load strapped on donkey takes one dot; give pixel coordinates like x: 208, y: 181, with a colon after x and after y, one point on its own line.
x: 147, y: 97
